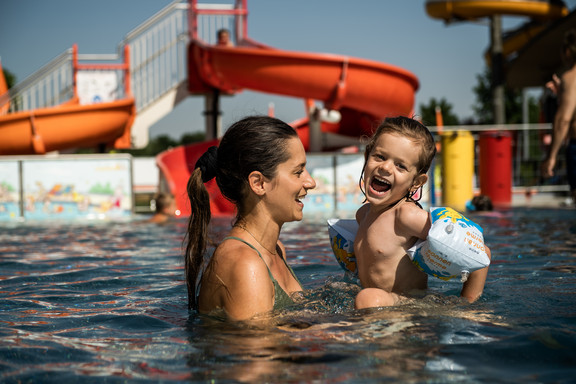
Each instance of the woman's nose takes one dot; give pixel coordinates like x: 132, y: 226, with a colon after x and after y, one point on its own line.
x: 309, y: 182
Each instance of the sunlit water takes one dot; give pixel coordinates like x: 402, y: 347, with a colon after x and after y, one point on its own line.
x: 106, y: 302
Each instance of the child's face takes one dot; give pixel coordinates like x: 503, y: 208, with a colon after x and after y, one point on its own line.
x: 392, y: 169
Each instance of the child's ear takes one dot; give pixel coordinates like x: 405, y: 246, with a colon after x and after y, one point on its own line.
x: 419, y: 181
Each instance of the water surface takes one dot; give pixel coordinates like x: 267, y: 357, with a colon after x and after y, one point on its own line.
x: 106, y: 302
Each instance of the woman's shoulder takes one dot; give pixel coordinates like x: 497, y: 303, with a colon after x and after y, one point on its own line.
x: 234, y: 256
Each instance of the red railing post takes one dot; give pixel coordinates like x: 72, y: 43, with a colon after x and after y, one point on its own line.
x: 127, y: 79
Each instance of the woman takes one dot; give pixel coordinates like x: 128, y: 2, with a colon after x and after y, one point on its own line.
x: 260, y: 166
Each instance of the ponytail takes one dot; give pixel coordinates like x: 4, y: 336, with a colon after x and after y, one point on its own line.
x: 200, y: 215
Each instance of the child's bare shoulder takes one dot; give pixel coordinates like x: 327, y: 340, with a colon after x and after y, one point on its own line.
x: 410, y: 215
x: 361, y: 212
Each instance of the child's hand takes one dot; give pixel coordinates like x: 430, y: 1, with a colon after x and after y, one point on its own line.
x: 474, y: 286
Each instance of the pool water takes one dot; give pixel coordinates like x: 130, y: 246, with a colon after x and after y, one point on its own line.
x: 106, y: 302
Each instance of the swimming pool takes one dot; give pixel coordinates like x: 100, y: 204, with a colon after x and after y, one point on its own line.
x: 106, y: 302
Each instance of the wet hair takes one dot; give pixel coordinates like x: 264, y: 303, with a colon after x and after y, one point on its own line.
x: 255, y: 143
x: 162, y: 200
x: 411, y: 129
x: 222, y: 31
x: 482, y: 203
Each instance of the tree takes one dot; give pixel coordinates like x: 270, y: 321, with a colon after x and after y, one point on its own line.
x: 428, y: 112
x: 484, y: 109
x: 10, y: 78
x: 163, y: 142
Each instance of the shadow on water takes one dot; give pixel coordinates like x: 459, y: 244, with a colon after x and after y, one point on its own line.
x: 106, y: 303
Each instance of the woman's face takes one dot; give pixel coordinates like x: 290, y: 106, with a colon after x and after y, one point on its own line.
x: 290, y: 185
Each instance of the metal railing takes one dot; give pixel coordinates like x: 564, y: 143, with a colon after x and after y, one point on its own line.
x: 158, y: 53
x: 530, y: 144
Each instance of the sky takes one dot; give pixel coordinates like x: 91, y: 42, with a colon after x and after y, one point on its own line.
x: 446, y: 58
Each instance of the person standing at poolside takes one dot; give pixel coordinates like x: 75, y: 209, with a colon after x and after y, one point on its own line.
x: 260, y: 166
x: 564, y: 124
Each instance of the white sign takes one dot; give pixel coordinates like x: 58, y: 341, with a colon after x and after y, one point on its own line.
x: 96, y: 86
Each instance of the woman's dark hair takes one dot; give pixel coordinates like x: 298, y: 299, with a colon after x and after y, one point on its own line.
x: 569, y: 43
x: 255, y: 143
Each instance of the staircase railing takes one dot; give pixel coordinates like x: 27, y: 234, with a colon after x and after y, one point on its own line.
x: 158, y: 53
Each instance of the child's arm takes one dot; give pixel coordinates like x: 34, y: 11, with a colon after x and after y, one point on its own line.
x: 413, y: 221
x: 473, y: 287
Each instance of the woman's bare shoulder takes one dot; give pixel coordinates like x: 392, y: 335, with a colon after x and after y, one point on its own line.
x: 237, y: 260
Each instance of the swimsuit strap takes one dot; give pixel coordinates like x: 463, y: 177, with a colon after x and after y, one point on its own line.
x: 281, y: 298
x: 259, y: 254
x: 254, y: 248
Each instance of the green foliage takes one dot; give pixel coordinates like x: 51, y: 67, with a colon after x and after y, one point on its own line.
x: 428, y: 112
x: 10, y: 78
x: 484, y: 108
x: 164, y: 142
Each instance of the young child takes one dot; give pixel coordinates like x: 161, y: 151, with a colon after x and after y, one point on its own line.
x: 395, y: 164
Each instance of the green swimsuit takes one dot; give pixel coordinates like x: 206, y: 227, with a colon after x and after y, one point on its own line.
x: 281, y: 298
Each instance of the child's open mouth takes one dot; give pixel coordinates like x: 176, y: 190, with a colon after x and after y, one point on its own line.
x: 380, y: 185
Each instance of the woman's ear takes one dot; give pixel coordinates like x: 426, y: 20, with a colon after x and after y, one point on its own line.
x: 256, y: 182
x: 419, y: 181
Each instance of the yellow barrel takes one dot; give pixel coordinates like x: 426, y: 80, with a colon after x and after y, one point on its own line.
x: 457, y: 169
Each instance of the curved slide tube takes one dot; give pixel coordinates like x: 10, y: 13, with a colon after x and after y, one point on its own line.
x: 67, y: 126
x: 354, y: 86
x: 450, y: 10
x: 363, y: 91
x: 540, y: 12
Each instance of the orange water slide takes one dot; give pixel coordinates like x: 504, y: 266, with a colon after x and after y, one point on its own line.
x: 66, y: 126
x: 363, y: 91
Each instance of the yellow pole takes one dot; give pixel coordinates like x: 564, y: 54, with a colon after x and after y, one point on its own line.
x: 457, y: 169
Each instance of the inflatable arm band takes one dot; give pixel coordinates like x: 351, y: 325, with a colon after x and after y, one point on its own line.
x: 454, y: 246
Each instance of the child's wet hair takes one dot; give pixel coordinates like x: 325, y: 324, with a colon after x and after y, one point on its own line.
x: 412, y: 129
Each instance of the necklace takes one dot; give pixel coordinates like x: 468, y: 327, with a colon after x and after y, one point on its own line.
x: 254, y: 237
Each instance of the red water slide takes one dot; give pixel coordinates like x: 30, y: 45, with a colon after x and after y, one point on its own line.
x: 363, y: 91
